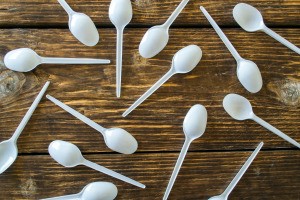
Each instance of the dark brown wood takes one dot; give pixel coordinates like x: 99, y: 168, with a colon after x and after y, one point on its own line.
x: 157, y: 123
x: 146, y: 12
x: 272, y: 175
x: 212, y: 160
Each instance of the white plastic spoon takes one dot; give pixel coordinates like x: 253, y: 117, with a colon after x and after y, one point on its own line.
x: 81, y: 26
x: 239, y: 108
x: 120, y: 14
x: 247, y: 71
x: 25, y: 60
x: 238, y: 176
x: 93, y: 191
x: 69, y: 155
x: 157, y: 37
x: 194, y: 126
x: 184, y: 61
x: 116, y: 139
x: 8, y: 148
x: 251, y: 20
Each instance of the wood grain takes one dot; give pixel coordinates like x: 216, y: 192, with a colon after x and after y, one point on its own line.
x: 44, y: 13
x: 202, y: 175
x: 157, y: 123
x: 212, y: 160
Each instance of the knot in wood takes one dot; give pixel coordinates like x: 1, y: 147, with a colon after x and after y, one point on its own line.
x: 10, y: 83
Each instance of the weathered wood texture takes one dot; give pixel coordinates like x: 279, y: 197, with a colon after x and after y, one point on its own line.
x: 213, y: 159
x: 273, y: 175
x: 146, y: 12
x: 157, y: 123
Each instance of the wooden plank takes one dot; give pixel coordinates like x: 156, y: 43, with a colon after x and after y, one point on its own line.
x: 272, y: 175
x: 157, y: 123
x: 44, y: 13
x: 213, y: 159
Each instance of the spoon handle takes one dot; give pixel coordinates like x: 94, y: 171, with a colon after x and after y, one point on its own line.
x: 177, y: 167
x: 119, y: 60
x: 223, y: 37
x: 66, y: 6
x: 29, y: 113
x: 175, y: 13
x: 275, y: 130
x: 65, y: 197
x: 149, y: 92
x: 281, y: 39
x: 48, y: 60
x: 76, y: 114
x: 242, y: 171
x: 112, y: 173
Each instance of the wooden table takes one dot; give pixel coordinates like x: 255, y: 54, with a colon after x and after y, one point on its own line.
x: 212, y: 161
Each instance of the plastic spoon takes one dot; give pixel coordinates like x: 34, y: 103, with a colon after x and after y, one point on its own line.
x: 194, y: 126
x: 92, y: 191
x: 25, y: 60
x: 69, y: 155
x: 116, y: 139
x: 251, y: 20
x: 120, y: 14
x: 81, y: 26
x: 157, y: 37
x: 8, y: 148
x: 239, y: 108
x: 247, y: 71
x: 184, y: 61
x: 239, y: 175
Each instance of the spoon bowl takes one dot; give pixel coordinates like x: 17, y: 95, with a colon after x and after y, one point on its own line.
x: 238, y: 107
x: 249, y: 75
x: 154, y: 40
x: 65, y: 153
x: 93, y: 191
x: 99, y: 191
x: 23, y: 59
x: 195, y: 121
x: 120, y: 141
x: 217, y: 198
x: 84, y: 29
x: 81, y: 26
x: 120, y: 12
x: 186, y: 59
x: 248, y: 17
x: 157, y: 37
x: 8, y: 154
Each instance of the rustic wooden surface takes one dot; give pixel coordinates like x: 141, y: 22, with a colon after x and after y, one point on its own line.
x: 213, y: 159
